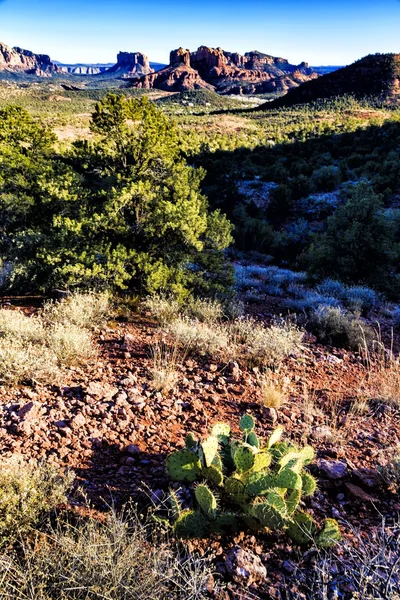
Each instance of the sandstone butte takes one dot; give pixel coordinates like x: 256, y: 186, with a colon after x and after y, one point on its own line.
x: 227, y: 72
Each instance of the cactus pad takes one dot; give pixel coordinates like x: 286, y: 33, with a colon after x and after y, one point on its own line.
x: 329, y: 535
x: 191, y: 442
x: 222, y: 431
x: 209, y: 448
x: 259, y: 484
x: 275, y: 437
x: 292, y: 501
x: 262, y: 460
x: 247, y: 423
x: 191, y: 524
x: 213, y: 475
x: 244, y: 458
x: 289, y: 479
x: 302, y: 528
x: 206, y: 501
x: 226, y: 524
x: 183, y: 466
x: 309, y: 484
x: 268, y: 516
x: 307, y: 455
x: 252, y: 439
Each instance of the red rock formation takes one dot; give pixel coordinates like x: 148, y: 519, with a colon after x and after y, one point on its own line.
x: 227, y: 72
x: 131, y: 65
x: 23, y: 61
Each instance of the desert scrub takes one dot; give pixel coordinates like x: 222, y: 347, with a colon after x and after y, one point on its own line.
x: 15, y: 325
x: 28, y: 492
x: 336, y: 327
x: 36, y: 348
x: 72, y: 345
x: 164, y: 309
x: 199, y: 337
x: 22, y: 363
x: 205, y: 310
x: 265, y: 345
x: 164, y: 372
x: 89, y: 310
x: 114, y: 559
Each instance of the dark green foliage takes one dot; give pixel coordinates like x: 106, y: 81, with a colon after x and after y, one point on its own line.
x: 360, y: 243
x: 124, y: 211
x: 257, y: 487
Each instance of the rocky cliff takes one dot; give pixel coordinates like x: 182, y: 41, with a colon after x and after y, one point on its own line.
x: 376, y: 75
x: 227, y: 72
x: 16, y: 60
x: 131, y: 65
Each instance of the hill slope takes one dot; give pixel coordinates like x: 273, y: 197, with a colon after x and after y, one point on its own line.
x: 375, y: 75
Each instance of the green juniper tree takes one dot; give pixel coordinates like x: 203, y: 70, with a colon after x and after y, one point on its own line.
x: 123, y: 211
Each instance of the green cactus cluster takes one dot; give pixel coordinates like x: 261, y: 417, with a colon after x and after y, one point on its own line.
x: 243, y: 484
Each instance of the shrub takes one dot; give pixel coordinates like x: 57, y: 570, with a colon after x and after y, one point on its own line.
x: 199, y: 337
x: 23, y: 363
x: 163, y: 309
x: 27, y: 493
x: 205, y: 310
x: 257, y: 486
x: 164, y: 372
x: 335, y: 327
x: 360, y: 299
x: 71, y: 344
x: 391, y: 471
x: 114, y: 558
x: 33, y: 348
x: 265, y: 345
x: 88, y: 310
x: 14, y: 324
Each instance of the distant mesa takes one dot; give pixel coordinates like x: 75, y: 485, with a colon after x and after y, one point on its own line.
x: 227, y: 72
x: 131, y: 65
x: 376, y: 75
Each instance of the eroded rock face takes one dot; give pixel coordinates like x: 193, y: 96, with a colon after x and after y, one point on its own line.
x: 131, y: 65
x: 227, y: 72
x: 23, y: 61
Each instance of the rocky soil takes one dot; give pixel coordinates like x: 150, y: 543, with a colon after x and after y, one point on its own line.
x: 110, y: 427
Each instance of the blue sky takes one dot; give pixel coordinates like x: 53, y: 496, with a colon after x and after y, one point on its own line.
x: 318, y: 32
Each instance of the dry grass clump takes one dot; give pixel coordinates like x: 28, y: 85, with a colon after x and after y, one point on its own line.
x: 27, y: 492
x: 266, y: 345
x: 89, y: 310
x: 383, y: 381
x: 20, y: 363
x: 15, y: 325
x: 164, y: 372
x: 199, y: 337
x: 35, y: 348
x: 273, y: 394
x: 114, y: 559
x: 205, y: 311
x: 71, y: 344
x: 247, y: 339
x: 163, y: 309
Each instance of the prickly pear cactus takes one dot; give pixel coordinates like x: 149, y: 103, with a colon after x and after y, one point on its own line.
x: 258, y: 486
x: 207, y: 501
